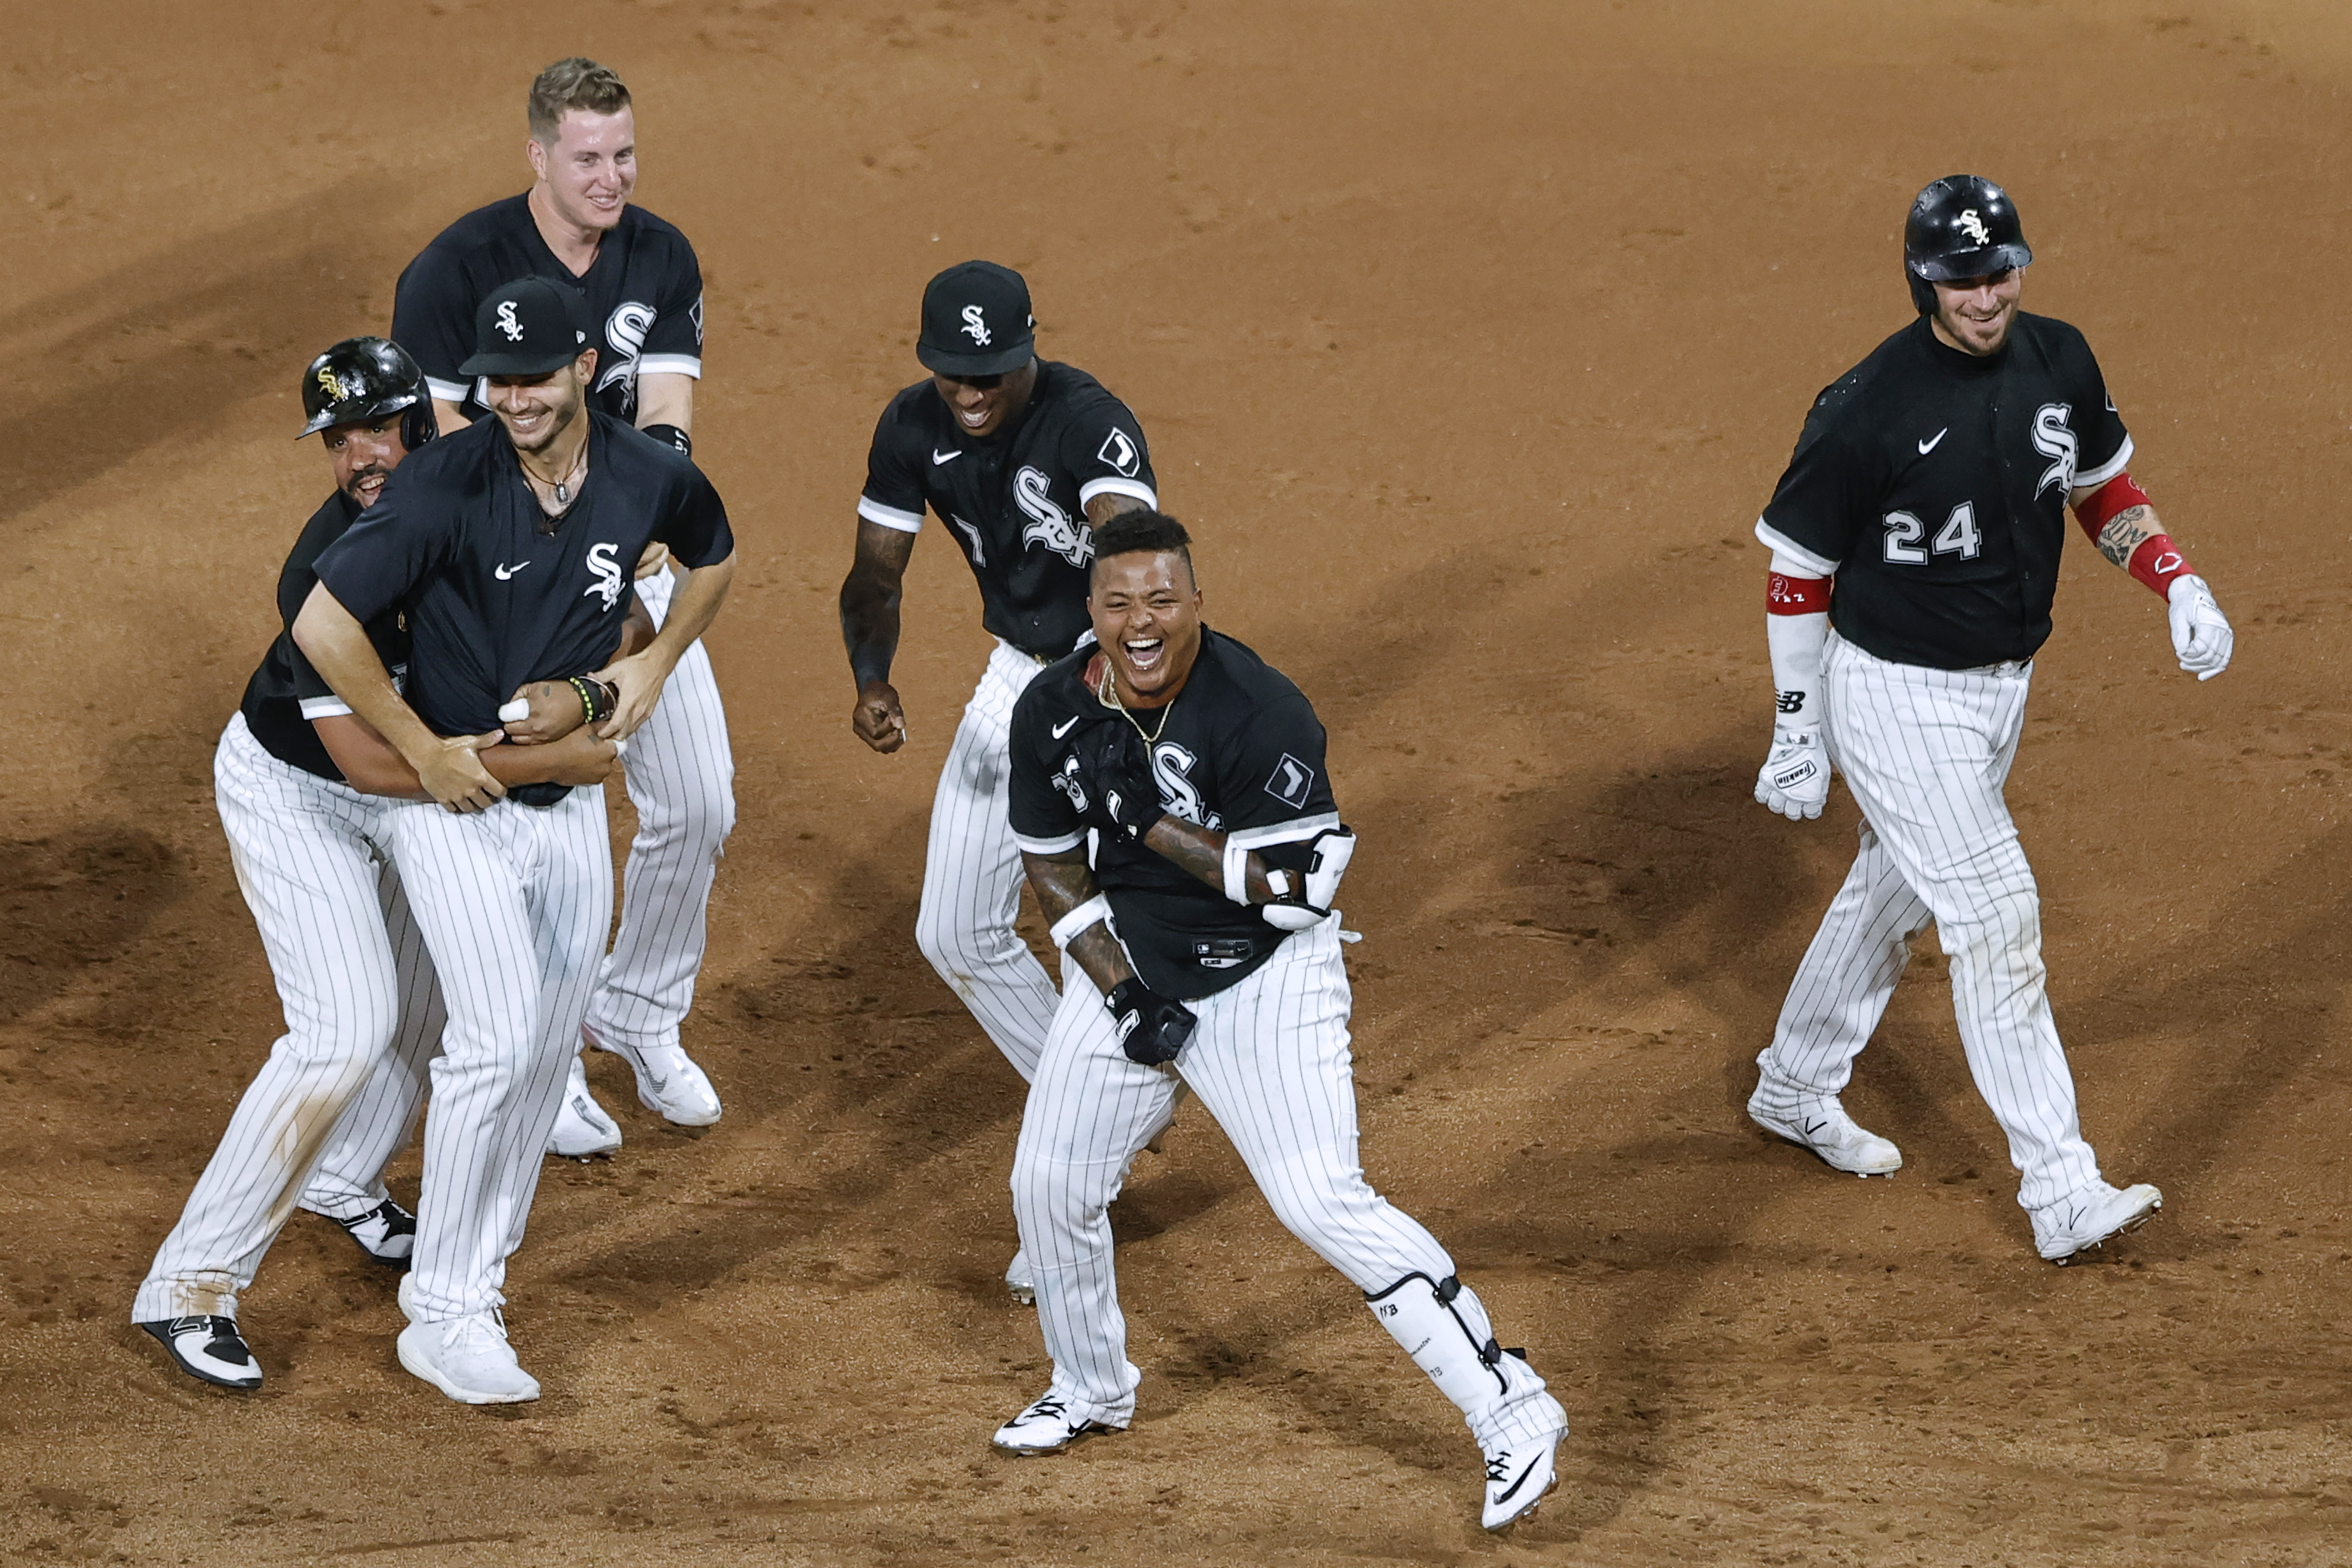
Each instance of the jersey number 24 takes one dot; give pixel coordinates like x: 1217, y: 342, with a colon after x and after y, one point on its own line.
x: 1958, y: 537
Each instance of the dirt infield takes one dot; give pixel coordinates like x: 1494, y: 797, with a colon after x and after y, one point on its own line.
x: 1470, y: 337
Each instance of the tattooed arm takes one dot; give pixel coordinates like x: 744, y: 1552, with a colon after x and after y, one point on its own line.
x: 2126, y: 531
x: 1062, y: 882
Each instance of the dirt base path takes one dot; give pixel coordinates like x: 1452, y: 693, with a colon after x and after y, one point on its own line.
x: 1470, y: 337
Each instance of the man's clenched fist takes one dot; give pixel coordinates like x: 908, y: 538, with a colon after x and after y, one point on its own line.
x: 1795, y: 779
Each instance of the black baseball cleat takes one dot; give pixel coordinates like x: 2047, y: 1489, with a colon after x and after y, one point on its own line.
x: 209, y: 1349
x: 386, y: 1233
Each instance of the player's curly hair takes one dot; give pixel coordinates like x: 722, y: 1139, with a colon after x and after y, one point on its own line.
x: 573, y: 84
x: 1155, y: 532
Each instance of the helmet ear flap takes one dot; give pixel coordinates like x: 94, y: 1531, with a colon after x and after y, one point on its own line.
x: 418, y: 424
x: 1923, y: 293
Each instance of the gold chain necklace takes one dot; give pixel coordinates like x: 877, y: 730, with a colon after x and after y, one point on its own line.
x: 1106, y: 693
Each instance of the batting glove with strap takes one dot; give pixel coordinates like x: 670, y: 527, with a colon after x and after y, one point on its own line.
x: 1118, y: 771
x: 1303, y: 898
x: 2201, y: 638
x: 1795, y: 778
x: 1153, y: 1030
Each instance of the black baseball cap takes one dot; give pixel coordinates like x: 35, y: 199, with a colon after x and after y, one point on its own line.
x: 976, y: 322
x: 527, y: 328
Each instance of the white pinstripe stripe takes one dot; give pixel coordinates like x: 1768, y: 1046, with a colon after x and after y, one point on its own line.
x: 306, y: 851
x: 1928, y: 753
x: 680, y: 773
x: 513, y: 904
x: 973, y: 874
x: 1271, y: 1060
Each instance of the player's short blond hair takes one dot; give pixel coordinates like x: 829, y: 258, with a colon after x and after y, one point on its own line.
x: 573, y: 84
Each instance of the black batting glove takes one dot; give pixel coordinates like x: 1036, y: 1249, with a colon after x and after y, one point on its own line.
x: 1125, y: 797
x: 1153, y: 1030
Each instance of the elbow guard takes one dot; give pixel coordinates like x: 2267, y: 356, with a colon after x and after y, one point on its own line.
x: 1303, y: 898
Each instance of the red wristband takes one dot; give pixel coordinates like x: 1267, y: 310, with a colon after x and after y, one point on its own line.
x: 1795, y: 595
x: 2157, y: 561
x: 2102, y: 506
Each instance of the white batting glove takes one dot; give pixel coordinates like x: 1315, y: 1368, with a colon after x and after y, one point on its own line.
x: 2201, y: 638
x: 1795, y: 779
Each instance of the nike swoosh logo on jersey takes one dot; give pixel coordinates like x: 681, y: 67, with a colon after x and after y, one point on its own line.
x: 1063, y: 728
x: 939, y: 457
x: 503, y: 572
x: 1929, y: 445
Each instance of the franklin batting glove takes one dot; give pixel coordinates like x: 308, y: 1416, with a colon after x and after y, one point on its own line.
x: 1795, y: 779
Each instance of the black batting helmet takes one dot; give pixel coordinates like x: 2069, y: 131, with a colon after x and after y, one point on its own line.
x: 1961, y: 227
x: 368, y: 379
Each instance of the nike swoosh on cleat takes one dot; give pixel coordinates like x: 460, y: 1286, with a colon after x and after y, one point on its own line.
x: 940, y: 457
x: 1518, y: 1484
x: 1929, y: 445
x: 1063, y: 728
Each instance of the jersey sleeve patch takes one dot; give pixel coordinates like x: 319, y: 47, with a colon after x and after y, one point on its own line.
x: 1292, y: 781
x: 1120, y: 453
x: 874, y: 511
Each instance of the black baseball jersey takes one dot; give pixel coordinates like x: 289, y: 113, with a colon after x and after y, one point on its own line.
x: 1241, y: 751
x: 1015, y: 500
x: 1933, y: 485
x: 644, y: 289
x: 494, y: 602
x: 285, y: 692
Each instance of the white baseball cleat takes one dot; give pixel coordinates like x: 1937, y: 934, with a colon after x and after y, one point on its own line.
x: 581, y: 1129
x: 1517, y: 1481
x: 2089, y: 1215
x: 668, y: 1083
x: 1044, y: 1427
x: 1822, y: 1126
x: 467, y: 1359
x: 1021, y: 1280
x: 408, y: 1297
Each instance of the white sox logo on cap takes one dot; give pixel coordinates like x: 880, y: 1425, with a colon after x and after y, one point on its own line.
x: 1976, y: 227
x: 977, y: 325
x: 507, y: 322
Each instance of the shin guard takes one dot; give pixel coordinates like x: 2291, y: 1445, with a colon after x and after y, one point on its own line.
x: 1444, y: 1327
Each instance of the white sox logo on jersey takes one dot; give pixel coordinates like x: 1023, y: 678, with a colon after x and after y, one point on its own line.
x: 507, y: 322
x: 976, y: 324
x: 1048, y: 524
x: 625, y: 330
x: 601, y: 561
x: 1976, y: 227
x: 2054, y: 440
x: 1169, y: 764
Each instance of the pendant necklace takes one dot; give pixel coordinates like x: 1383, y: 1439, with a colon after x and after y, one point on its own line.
x: 563, y: 486
x: 1106, y: 693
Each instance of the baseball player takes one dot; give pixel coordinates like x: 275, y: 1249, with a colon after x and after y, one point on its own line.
x: 335, y: 1098
x: 1022, y: 458
x: 1915, y: 542
x: 508, y: 545
x: 1201, y: 946
x: 643, y: 290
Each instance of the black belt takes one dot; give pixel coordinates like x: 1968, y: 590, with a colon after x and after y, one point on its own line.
x: 538, y: 797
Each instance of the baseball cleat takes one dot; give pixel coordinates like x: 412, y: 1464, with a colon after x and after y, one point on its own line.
x: 581, y: 1129
x: 208, y: 1348
x: 1822, y: 1126
x: 1021, y: 1280
x: 1517, y: 1483
x: 2090, y: 1215
x: 386, y: 1233
x: 1046, y: 1427
x: 467, y: 1359
x: 669, y: 1085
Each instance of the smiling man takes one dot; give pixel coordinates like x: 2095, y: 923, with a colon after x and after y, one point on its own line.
x: 1915, y: 541
x: 642, y: 289
x: 1022, y: 458
x: 1202, y: 950
x: 507, y: 546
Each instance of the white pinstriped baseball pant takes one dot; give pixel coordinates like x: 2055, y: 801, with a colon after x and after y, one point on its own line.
x: 1271, y: 1061
x: 514, y: 903
x: 1927, y: 753
x: 680, y: 773
x: 973, y: 874
x: 340, y: 1088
